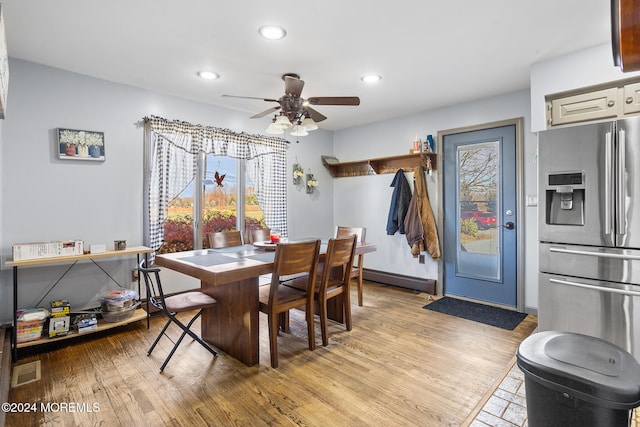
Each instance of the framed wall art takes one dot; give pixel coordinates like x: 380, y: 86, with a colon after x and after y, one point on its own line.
x: 80, y: 145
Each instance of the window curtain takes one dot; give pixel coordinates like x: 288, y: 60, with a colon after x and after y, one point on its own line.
x: 172, y: 149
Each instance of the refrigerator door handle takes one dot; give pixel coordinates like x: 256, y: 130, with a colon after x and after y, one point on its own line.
x: 621, y: 221
x: 595, y: 288
x: 608, y: 156
x: 564, y: 250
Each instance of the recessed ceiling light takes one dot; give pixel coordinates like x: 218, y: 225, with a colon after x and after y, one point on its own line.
x: 371, y: 78
x: 272, y: 32
x: 208, y: 75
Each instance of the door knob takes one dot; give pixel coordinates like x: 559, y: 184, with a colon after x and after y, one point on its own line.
x: 509, y: 225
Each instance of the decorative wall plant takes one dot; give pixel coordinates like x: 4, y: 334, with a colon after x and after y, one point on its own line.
x: 312, y: 183
x: 298, y: 173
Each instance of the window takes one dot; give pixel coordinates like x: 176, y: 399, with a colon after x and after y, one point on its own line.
x: 184, y: 199
x: 222, y: 188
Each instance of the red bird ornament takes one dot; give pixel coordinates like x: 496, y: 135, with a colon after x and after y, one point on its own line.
x: 219, y: 178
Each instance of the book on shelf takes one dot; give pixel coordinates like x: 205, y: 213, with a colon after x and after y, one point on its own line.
x: 38, y: 250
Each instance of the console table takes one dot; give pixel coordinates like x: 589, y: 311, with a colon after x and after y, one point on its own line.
x: 73, y: 260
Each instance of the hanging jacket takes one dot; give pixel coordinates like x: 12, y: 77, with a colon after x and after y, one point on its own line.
x: 420, y: 224
x: 413, y: 226
x: 399, y: 203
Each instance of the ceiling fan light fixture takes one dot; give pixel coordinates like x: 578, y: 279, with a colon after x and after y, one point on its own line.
x: 282, y: 122
x: 272, y: 32
x: 371, y: 78
x: 309, y: 124
x: 299, y: 130
x: 274, y: 130
x: 208, y: 75
x: 293, y: 109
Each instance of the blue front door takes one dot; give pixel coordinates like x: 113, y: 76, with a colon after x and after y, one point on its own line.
x: 480, y: 215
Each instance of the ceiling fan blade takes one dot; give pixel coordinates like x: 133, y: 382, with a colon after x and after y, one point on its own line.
x: 265, y: 112
x: 250, y: 97
x: 293, y: 86
x: 334, y: 100
x: 315, y: 115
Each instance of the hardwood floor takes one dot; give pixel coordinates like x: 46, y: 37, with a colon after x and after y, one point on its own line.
x: 401, y: 365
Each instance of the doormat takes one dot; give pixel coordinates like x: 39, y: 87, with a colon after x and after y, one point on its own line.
x: 25, y: 374
x: 489, y: 315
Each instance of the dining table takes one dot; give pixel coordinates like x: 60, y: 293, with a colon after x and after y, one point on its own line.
x: 230, y: 275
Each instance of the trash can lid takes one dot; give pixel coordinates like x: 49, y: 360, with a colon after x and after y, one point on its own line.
x: 588, y: 365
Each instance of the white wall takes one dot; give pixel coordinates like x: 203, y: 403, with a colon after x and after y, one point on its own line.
x: 364, y: 201
x: 44, y: 198
x: 310, y: 215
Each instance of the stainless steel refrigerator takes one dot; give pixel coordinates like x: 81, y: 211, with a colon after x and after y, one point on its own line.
x: 589, y: 231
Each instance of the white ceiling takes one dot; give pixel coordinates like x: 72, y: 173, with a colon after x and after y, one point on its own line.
x: 431, y: 53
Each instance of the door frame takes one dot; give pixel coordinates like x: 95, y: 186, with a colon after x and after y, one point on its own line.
x: 519, y: 128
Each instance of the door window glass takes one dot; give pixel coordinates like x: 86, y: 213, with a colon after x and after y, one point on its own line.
x: 478, y: 195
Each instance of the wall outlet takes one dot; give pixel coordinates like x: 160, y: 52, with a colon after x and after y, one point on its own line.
x: 135, y: 274
x: 421, y: 258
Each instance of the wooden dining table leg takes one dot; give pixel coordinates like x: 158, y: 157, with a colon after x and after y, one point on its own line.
x: 232, y: 325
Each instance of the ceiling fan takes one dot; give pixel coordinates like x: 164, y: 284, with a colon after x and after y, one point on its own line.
x: 295, y: 112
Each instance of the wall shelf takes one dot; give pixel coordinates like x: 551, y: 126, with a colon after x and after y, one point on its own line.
x: 381, y: 165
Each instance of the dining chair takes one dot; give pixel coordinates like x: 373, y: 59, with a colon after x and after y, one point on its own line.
x: 263, y: 235
x: 224, y: 239
x: 170, y: 306
x: 259, y: 235
x: 356, y: 271
x: 333, y: 280
x: 277, y: 299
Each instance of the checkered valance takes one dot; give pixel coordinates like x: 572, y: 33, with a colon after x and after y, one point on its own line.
x: 172, y: 155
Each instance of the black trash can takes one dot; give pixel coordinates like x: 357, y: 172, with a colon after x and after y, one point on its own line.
x: 576, y: 380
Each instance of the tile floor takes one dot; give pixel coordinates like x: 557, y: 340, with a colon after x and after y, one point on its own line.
x: 507, y: 405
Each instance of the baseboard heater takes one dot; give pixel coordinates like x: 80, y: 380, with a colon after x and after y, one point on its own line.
x: 415, y: 283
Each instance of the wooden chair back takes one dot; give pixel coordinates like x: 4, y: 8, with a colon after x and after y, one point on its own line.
x: 340, y: 254
x: 360, y: 232
x: 224, y: 239
x: 356, y: 271
x: 259, y: 235
x: 293, y: 259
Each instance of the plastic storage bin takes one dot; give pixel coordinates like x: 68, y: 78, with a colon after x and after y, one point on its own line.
x: 30, y: 323
x: 577, y: 380
x: 30, y: 330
